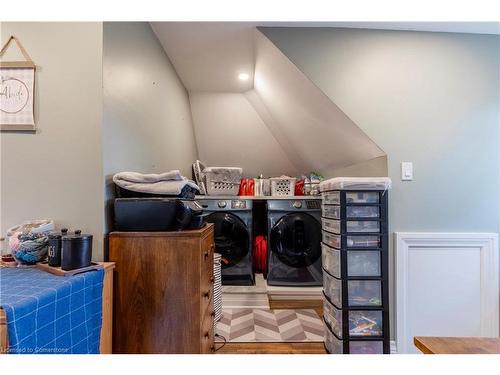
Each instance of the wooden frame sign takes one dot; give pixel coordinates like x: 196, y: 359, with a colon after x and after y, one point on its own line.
x: 17, y: 89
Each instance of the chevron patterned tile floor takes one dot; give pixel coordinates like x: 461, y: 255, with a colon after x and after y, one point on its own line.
x: 264, y: 325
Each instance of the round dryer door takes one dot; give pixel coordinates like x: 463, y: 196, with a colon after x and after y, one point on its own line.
x: 296, y: 240
x: 231, y: 237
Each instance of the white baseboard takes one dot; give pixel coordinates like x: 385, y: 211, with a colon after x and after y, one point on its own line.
x: 394, y: 348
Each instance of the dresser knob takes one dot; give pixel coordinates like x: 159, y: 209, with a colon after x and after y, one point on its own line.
x: 212, y: 314
x: 212, y: 349
x: 206, y: 254
x: 212, y: 280
x: 206, y: 294
x: 207, y: 335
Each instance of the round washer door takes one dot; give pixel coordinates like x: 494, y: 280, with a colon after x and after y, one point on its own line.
x: 231, y: 237
x: 296, y: 240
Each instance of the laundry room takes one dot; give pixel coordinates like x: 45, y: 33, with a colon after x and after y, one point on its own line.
x: 258, y: 188
x: 257, y: 172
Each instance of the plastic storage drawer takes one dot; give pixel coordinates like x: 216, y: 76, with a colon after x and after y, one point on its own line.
x: 360, y: 212
x: 330, y: 225
x: 366, y: 347
x: 365, y: 241
x: 362, y: 263
x: 332, y: 344
x: 352, y: 226
x: 333, y: 317
x: 333, y: 289
x: 361, y: 226
x: 359, y: 262
x: 364, y: 293
x: 332, y: 212
x: 365, y: 323
x: 332, y: 197
x: 331, y: 260
x: 362, y: 197
x: 362, y: 323
x: 331, y: 239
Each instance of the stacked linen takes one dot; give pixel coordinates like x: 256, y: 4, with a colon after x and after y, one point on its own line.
x: 165, y: 184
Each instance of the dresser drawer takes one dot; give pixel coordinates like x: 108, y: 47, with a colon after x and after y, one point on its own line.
x: 207, y: 272
x: 207, y: 260
x: 207, y: 303
x: 207, y: 275
x: 207, y: 334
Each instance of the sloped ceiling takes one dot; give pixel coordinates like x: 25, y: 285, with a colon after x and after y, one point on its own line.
x: 208, y: 56
x: 278, y: 123
x: 307, y: 120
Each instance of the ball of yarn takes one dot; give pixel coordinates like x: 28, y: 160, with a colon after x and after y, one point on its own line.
x: 32, y: 248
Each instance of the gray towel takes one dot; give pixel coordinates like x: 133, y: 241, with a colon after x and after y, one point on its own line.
x: 169, y: 183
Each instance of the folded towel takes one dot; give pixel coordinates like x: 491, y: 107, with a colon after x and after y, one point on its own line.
x: 169, y: 183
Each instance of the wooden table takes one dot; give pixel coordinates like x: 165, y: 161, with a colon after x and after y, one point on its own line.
x: 107, y: 314
x: 457, y: 345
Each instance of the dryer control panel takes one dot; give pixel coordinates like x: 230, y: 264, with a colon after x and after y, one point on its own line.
x: 292, y: 205
x: 313, y: 205
x: 239, y: 204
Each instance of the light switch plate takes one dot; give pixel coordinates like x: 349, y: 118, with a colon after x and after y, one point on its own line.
x: 406, y: 171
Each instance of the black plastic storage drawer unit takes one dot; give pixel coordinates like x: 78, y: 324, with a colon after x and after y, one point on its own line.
x: 355, y: 271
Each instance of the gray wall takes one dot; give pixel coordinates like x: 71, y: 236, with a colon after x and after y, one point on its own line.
x: 57, y: 172
x: 230, y: 132
x: 429, y: 98
x: 371, y: 168
x: 147, y: 124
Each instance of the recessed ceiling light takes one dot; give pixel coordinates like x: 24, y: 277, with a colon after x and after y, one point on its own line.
x: 243, y: 76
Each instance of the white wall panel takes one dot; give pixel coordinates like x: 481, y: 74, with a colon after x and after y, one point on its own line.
x: 447, y: 285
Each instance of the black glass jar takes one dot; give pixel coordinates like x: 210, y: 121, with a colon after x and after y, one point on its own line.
x: 76, y: 251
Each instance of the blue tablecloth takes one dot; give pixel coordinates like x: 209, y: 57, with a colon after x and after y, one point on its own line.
x: 51, y: 314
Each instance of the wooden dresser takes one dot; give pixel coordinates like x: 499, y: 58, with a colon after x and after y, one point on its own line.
x: 163, y: 291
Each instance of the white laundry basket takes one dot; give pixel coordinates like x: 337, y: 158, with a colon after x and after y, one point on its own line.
x: 283, y: 186
x: 223, y: 180
x: 217, y: 289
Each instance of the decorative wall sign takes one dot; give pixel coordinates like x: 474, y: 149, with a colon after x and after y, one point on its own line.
x: 17, y: 88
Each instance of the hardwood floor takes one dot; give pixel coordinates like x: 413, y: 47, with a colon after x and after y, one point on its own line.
x: 314, y: 304
x: 271, y: 348
x: 278, y: 347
